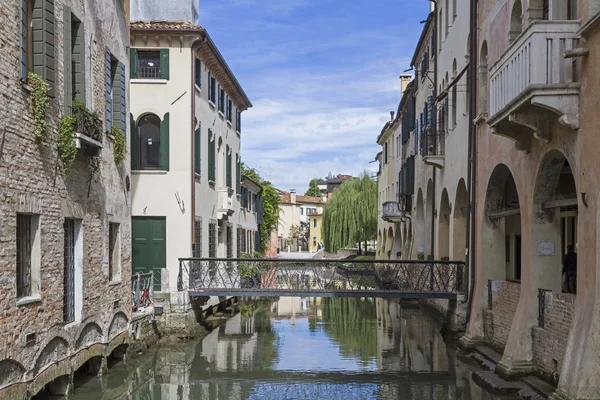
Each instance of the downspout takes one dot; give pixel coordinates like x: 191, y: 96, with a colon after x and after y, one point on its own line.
x: 472, y: 165
x: 434, y: 119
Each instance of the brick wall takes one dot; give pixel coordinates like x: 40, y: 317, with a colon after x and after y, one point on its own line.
x: 31, y: 182
x: 550, y: 342
x: 498, y: 320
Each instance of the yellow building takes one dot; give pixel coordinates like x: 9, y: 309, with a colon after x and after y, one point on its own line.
x: 315, y: 221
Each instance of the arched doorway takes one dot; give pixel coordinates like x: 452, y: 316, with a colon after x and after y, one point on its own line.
x: 459, y: 223
x: 429, y: 203
x: 389, y: 243
x: 379, y: 245
x: 444, y: 227
x: 420, y: 225
x: 554, y: 222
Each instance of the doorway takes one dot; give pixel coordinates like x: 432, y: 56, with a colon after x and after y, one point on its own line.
x: 149, y: 252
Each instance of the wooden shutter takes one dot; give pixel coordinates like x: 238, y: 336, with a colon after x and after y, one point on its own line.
x: 164, y: 143
x: 238, y: 175
x: 44, y: 61
x: 118, y: 97
x: 108, y: 92
x: 164, y: 64
x: 68, y: 61
x: 133, y: 63
x: 78, y: 60
x: 228, y: 166
x: 123, y: 97
x: 135, y: 146
x: 430, y: 112
x: 23, y: 73
x: 198, y: 148
x: 198, y: 72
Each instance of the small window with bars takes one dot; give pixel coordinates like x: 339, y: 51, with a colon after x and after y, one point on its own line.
x: 24, y: 249
x: 197, y: 246
x: 229, y: 241
x: 212, y: 240
x: 69, y: 271
x: 114, y: 252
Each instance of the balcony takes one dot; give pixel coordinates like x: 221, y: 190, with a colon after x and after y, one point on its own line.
x: 224, y: 202
x: 533, y: 85
x: 432, y: 148
x: 391, y: 212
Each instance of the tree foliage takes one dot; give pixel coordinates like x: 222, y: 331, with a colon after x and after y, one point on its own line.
x: 350, y: 217
x: 313, y: 189
x: 270, y: 205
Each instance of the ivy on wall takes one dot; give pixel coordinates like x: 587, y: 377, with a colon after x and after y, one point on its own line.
x: 120, y: 145
x: 40, y: 102
x: 65, y: 143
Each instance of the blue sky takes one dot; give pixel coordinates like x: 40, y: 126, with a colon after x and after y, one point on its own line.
x: 323, y: 76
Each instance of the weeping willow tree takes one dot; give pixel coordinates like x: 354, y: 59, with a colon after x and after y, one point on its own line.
x: 350, y: 216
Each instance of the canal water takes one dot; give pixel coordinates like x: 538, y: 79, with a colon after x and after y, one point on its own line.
x: 302, y: 348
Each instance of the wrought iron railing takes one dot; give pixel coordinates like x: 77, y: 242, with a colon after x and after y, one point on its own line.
x: 420, y: 278
x: 432, y: 143
x: 143, y: 290
x: 542, y: 306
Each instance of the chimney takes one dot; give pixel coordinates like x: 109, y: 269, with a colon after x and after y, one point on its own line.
x: 293, y: 196
x: 404, y: 81
x: 392, y: 115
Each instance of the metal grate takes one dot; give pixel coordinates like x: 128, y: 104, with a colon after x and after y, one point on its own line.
x: 24, y: 246
x: 69, y: 273
x: 197, y: 246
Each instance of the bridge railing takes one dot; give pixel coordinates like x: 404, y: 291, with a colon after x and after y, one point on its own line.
x: 212, y: 275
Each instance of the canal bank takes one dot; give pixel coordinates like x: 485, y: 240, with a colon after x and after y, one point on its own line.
x: 309, y: 348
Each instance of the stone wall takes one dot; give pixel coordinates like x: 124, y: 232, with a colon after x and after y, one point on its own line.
x: 550, y: 342
x: 31, y: 181
x: 498, y: 320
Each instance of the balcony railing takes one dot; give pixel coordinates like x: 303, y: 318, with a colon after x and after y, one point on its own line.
x: 433, y: 143
x: 534, y: 61
x: 391, y: 212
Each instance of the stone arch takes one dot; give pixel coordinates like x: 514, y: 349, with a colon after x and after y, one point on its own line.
x: 408, y: 240
x: 516, y: 21
x: 397, y: 249
x: 11, y: 372
x: 390, y: 243
x: 552, y: 222
x: 57, y: 349
x: 420, y: 223
x: 501, y: 235
x: 429, y: 205
x: 117, y: 325
x: 90, y: 334
x: 383, y: 245
x: 444, y: 227
x: 379, y: 243
x: 459, y: 222
x: 483, y: 78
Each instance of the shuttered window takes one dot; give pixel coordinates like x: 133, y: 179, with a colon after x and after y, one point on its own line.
x: 74, y: 60
x: 212, y: 169
x: 118, y: 95
x: 212, y: 88
x: 238, y: 174
x: 238, y: 121
x: 221, y: 99
x: 150, y: 143
x: 198, y: 72
x: 108, y: 91
x: 198, y: 149
x: 164, y: 142
x: 228, y: 166
x: 149, y: 64
x: 135, y: 144
x: 229, y: 107
x: 38, y: 41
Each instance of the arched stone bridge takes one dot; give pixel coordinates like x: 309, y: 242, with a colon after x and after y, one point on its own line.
x: 202, y: 277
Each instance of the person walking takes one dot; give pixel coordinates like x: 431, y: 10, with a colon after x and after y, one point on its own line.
x: 569, y: 270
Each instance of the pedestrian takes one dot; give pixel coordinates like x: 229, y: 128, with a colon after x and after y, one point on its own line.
x: 569, y: 270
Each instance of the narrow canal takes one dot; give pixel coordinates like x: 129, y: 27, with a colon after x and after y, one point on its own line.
x: 302, y: 348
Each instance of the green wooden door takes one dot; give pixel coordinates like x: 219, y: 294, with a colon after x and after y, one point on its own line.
x: 149, y: 247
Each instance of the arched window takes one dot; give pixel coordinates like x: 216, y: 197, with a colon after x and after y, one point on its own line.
x: 149, y: 141
x: 453, y: 104
x: 483, y: 78
x: 516, y: 21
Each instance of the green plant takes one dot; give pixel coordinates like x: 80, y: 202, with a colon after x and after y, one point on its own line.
x: 120, y: 145
x: 421, y: 256
x: 65, y: 142
x: 429, y: 257
x: 445, y: 258
x: 39, y: 102
x: 87, y: 121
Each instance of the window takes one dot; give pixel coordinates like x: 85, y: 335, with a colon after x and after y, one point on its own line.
x: 229, y: 241
x: 229, y: 108
x: 37, y: 25
x: 301, y: 211
x: 115, y: 93
x: 198, y: 72
x: 212, y: 88
x: 315, y: 223
x: 74, y: 61
x: 221, y: 99
x: 228, y: 167
x: 238, y: 174
x: 447, y: 22
x: 239, y: 238
x: 212, y: 165
x: 212, y: 240
x: 114, y: 252
x: 314, y: 240
x: 28, y: 255
x: 238, y: 121
x: 198, y: 149
x: 149, y: 64
x: 385, y: 153
x: 151, y: 145
x: 69, y: 272
x: 197, y: 245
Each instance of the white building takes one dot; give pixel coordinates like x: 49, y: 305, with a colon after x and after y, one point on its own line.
x: 185, y: 150
x: 295, y: 211
x: 250, y: 218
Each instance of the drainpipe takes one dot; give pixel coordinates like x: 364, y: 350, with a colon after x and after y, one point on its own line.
x: 434, y: 118
x: 472, y: 165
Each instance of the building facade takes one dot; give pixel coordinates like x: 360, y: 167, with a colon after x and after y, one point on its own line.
x: 65, y: 184
x: 294, y: 218
x: 186, y: 167
x: 250, y: 218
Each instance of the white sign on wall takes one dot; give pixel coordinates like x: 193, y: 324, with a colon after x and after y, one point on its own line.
x: 546, y: 248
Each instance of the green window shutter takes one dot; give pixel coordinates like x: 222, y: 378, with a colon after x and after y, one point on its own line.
x: 23, y: 73
x: 164, y: 64
x: 228, y: 166
x: 198, y: 72
x: 118, y: 96
x: 108, y: 92
x: 133, y: 63
x: 67, y: 61
x: 44, y: 61
x: 164, y: 143
x: 211, y: 157
x: 239, y: 176
x: 135, y: 146
x: 198, y: 149
x: 78, y: 60
x: 123, y: 96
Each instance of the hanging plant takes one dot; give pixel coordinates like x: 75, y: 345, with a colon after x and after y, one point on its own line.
x: 65, y: 143
x: 87, y: 121
x: 40, y: 102
x: 120, y: 145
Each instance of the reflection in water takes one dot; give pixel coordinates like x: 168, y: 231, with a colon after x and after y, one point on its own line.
x: 302, y: 348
